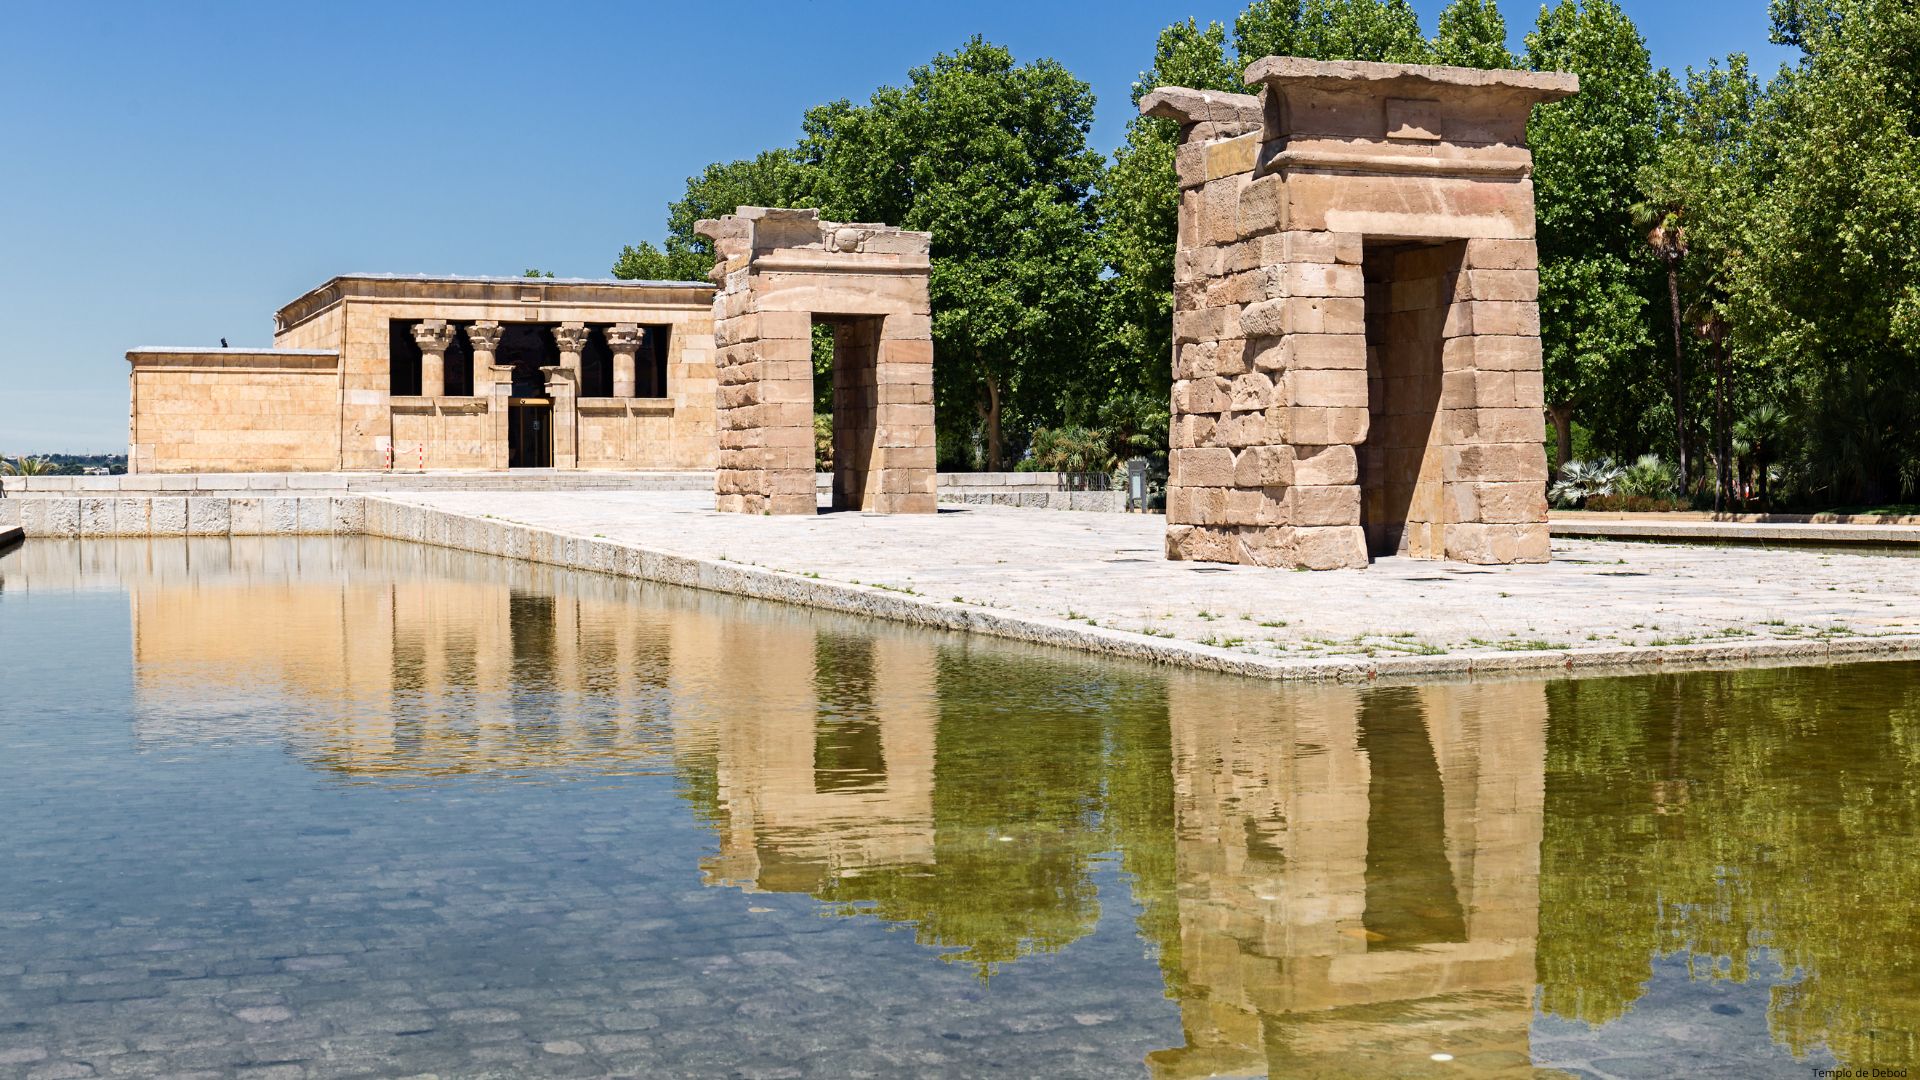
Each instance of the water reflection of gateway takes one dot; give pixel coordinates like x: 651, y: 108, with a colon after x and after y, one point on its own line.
x: 1358, y: 877
x: 822, y: 757
x: 1328, y: 874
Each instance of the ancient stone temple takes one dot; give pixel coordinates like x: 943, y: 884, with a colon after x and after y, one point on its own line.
x: 376, y: 371
x: 1356, y: 327
x: 780, y: 273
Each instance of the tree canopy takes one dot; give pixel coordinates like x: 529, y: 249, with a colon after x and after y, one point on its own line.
x: 1720, y: 255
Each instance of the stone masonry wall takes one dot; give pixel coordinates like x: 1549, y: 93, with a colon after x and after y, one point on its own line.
x: 778, y: 270
x: 103, y: 516
x: 214, y: 410
x: 1276, y: 390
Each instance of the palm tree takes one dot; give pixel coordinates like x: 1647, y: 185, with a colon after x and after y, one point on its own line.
x: 26, y: 466
x: 1668, y: 239
x: 1761, y: 429
x: 1712, y: 327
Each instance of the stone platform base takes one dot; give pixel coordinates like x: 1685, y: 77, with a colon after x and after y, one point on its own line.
x: 1096, y: 582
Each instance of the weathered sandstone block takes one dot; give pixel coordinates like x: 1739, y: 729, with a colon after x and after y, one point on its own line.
x: 779, y: 271
x: 1356, y: 326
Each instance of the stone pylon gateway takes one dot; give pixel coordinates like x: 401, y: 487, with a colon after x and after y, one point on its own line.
x: 1356, y: 321
x: 780, y: 272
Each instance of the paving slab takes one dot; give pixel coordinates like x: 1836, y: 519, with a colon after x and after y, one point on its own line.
x: 1100, y: 582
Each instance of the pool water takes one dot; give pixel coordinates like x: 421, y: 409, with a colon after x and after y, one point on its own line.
x: 361, y: 808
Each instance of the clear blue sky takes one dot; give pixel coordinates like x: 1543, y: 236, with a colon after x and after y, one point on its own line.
x: 171, y: 174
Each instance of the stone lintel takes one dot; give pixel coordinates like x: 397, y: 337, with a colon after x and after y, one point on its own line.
x: 1189, y: 106
x: 490, y: 290
x: 152, y: 357
x: 760, y: 230
x: 1396, y: 80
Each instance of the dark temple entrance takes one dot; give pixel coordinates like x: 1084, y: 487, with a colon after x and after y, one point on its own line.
x: 1410, y: 287
x: 529, y: 433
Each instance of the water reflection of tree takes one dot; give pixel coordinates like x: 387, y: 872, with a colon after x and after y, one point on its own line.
x: 1018, y: 811
x: 1711, y: 814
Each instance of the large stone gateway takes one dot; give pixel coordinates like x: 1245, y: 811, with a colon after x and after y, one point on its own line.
x: 779, y: 273
x: 1356, y: 326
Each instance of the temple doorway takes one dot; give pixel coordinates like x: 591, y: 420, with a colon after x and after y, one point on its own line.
x: 529, y: 433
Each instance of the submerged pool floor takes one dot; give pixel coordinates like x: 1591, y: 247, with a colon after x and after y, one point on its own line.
x: 322, y: 808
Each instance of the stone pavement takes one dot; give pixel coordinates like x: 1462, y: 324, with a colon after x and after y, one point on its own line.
x: 1100, y: 582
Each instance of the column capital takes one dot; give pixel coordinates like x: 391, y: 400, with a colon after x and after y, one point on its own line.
x: 571, y: 337
x: 433, y: 335
x: 485, y: 336
x: 623, y: 337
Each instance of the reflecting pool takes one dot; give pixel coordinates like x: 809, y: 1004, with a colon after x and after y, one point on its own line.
x: 341, y: 808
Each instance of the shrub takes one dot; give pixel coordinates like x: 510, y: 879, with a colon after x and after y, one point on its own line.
x: 1648, y: 478
x: 822, y: 442
x: 1580, y: 481
x: 1636, y: 504
x: 1071, y: 449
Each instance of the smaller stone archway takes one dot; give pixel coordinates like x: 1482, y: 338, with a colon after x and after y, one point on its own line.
x: 779, y: 272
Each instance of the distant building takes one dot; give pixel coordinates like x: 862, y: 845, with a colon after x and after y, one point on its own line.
x: 372, y: 371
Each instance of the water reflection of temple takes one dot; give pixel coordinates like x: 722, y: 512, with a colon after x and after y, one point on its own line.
x: 375, y: 658
x: 1358, y: 877
x: 1330, y: 875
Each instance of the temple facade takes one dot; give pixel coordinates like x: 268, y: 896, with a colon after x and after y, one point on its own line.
x: 371, y: 372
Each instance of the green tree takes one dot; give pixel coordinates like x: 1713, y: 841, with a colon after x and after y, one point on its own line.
x: 772, y: 178
x: 1387, y: 31
x: 991, y: 157
x: 1472, y: 33
x: 1138, y: 205
x: 1594, y: 276
x: 1667, y: 239
x: 1826, y: 279
x: 1699, y: 193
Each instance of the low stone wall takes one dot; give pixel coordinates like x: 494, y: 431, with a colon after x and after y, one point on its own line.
x: 260, y: 485
x: 1657, y: 527
x: 89, y: 516
x: 1105, y: 502
x: 1032, y: 490
x: 265, y: 504
x: 1027, y: 490
x: 403, y: 518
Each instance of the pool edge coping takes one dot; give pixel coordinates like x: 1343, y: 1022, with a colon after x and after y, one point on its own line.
x: 490, y: 535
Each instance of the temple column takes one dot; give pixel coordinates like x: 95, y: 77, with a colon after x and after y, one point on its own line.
x: 562, y: 391
x: 433, y: 336
x: 563, y: 387
x: 572, y: 338
x: 624, y: 340
x: 485, y: 338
